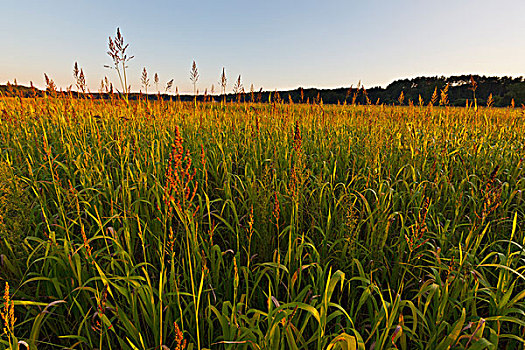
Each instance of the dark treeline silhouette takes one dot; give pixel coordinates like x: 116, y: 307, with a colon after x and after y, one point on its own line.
x: 462, y: 88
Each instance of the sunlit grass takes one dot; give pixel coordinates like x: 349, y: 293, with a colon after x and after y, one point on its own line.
x: 155, y: 223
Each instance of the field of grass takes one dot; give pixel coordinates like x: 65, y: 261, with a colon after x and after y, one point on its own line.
x: 169, y: 225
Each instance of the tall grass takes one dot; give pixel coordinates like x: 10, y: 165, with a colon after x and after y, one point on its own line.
x: 154, y: 224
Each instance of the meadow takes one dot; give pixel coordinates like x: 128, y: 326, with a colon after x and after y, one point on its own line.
x: 177, y: 225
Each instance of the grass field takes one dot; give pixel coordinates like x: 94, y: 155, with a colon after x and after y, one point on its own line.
x: 169, y: 225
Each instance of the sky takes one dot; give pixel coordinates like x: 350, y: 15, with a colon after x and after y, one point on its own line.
x: 272, y: 44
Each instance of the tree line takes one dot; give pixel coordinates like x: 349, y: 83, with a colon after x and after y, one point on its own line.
x: 458, y: 90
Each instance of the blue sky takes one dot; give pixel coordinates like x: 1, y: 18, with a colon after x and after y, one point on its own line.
x: 272, y: 44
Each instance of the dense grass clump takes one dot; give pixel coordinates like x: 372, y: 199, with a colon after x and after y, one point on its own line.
x: 149, y: 225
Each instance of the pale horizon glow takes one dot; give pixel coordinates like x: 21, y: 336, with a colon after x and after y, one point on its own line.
x: 272, y: 44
